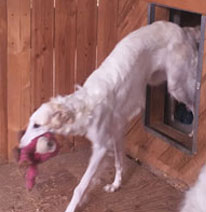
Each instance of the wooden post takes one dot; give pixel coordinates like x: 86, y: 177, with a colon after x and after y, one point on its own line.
x: 42, y: 35
x: 65, y: 46
x: 18, y: 68
x: 107, y: 28
x: 86, y: 39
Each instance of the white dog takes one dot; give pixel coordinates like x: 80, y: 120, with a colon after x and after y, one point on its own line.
x: 195, y: 197
x: 115, y: 93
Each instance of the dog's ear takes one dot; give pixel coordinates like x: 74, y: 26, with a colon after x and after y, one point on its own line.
x: 61, y: 117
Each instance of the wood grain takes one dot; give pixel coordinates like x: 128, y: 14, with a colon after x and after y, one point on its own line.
x: 171, y: 162
x: 86, y: 39
x: 3, y: 80
x: 132, y: 14
x: 42, y: 31
x: 78, y: 35
x: 18, y: 75
x: 65, y: 46
x: 107, y: 28
x: 86, y: 47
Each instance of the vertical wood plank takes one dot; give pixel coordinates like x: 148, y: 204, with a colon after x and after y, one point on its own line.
x: 107, y: 28
x: 42, y: 51
x: 65, y: 46
x: 86, y: 46
x: 18, y: 68
x: 3, y: 80
x: 65, y: 54
x: 132, y: 14
x: 86, y: 39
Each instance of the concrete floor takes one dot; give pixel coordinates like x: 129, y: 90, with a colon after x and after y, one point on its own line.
x: 141, y: 191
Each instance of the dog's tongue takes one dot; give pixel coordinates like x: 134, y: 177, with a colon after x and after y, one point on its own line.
x: 29, y: 156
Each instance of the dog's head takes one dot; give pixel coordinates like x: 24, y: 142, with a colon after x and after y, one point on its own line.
x: 49, y: 117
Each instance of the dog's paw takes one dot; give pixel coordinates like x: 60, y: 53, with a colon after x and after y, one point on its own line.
x: 111, y: 188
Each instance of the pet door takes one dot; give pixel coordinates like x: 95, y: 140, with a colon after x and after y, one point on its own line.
x: 164, y: 116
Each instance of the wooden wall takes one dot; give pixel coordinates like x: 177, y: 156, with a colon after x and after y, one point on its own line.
x: 47, y: 46
x: 179, y: 168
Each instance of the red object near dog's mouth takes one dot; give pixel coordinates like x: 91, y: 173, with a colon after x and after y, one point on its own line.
x: 33, y: 154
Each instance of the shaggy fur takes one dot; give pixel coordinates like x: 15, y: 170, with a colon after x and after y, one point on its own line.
x: 115, y: 93
x: 195, y: 197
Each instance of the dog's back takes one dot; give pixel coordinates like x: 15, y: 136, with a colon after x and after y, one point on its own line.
x: 161, y: 46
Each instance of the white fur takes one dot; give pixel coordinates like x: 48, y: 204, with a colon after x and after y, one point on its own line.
x: 195, y: 199
x: 115, y: 92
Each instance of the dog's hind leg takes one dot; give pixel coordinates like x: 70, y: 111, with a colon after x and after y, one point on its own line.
x: 181, y: 74
x: 118, y: 157
x: 79, y: 192
x: 178, y: 88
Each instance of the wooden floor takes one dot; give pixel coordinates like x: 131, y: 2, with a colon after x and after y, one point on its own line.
x: 141, y: 190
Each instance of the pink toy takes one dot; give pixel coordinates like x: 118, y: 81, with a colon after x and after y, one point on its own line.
x: 33, y: 158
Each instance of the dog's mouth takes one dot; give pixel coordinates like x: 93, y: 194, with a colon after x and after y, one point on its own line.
x: 38, y: 151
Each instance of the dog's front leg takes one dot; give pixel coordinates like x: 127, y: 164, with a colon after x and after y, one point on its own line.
x: 118, y: 157
x: 97, y: 156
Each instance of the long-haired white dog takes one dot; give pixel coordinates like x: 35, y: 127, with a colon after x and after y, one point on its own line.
x: 115, y: 93
x: 195, y: 198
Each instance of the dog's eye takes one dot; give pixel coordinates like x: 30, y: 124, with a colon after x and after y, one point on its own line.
x: 36, y: 126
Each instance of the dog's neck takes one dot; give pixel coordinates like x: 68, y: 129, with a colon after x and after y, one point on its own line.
x: 81, y: 106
